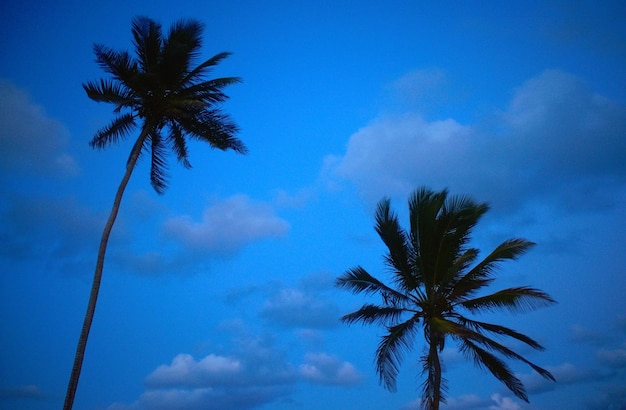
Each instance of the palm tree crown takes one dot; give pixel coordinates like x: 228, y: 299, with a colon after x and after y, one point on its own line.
x: 162, y: 89
x: 435, y: 282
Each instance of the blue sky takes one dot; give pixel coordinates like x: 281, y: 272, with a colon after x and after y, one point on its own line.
x: 219, y: 294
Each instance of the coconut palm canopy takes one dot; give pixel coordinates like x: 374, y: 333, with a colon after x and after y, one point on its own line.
x: 162, y: 88
x: 221, y: 292
x: 436, y: 281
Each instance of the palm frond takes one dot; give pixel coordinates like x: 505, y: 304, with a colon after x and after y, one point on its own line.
x: 463, y: 261
x: 110, y: 92
x: 214, y: 127
x: 510, y: 249
x: 465, y: 334
x: 202, y: 69
x: 209, y: 92
x: 391, y: 350
x: 179, y: 49
x: 499, y: 330
x: 452, y: 229
x: 179, y: 146
x: 368, y: 314
x: 395, y: 238
x: 481, y: 274
x: 120, y: 64
x: 158, y: 164
x: 112, y: 133
x: 517, y: 299
x: 497, y: 367
x: 424, y: 206
x: 147, y: 38
x: 358, y: 280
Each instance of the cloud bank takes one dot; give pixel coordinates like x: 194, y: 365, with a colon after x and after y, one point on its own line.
x: 555, y: 138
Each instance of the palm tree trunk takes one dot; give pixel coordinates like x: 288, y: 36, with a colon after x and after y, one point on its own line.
x: 431, y: 402
x: 97, y: 277
x: 437, y: 374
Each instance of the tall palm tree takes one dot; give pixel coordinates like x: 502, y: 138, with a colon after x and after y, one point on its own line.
x: 170, y: 100
x: 435, y: 280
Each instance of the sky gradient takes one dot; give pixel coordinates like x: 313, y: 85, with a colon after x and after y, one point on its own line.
x: 219, y: 294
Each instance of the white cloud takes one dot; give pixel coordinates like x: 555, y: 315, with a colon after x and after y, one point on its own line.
x: 30, y: 141
x: 256, y: 372
x: 503, y: 403
x: 321, y: 368
x: 555, y: 138
x: 226, y: 226
x: 186, y: 371
x: 390, y: 154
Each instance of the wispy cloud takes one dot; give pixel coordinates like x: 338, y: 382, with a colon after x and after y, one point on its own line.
x: 30, y: 391
x: 296, y: 308
x: 30, y: 141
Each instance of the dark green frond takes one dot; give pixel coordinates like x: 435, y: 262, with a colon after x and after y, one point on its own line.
x: 110, y: 92
x: 465, y: 334
x: 497, y: 367
x: 358, y: 280
x: 519, y: 299
x: 501, y: 331
x: 453, y: 227
x: 179, y: 49
x: 201, y: 70
x: 395, y: 238
x: 369, y: 314
x: 158, y: 164
x: 208, y: 92
x: 120, y: 64
x: 147, y: 38
x: 424, y: 206
x: 179, y: 146
x: 213, y: 127
x: 481, y: 274
x: 391, y: 350
x: 508, y: 250
x: 112, y: 133
x: 464, y: 261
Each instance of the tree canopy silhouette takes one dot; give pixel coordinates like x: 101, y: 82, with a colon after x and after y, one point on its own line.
x: 435, y: 284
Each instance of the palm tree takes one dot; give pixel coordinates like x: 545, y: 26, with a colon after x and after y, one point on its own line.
x: 435, y: 281
x: 170, y: 100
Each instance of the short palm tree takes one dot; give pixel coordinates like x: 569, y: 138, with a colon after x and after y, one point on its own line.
x: 170, y: 100
x: 435, y: 281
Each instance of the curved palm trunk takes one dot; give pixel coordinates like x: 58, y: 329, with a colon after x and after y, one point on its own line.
x: 97, y: 277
